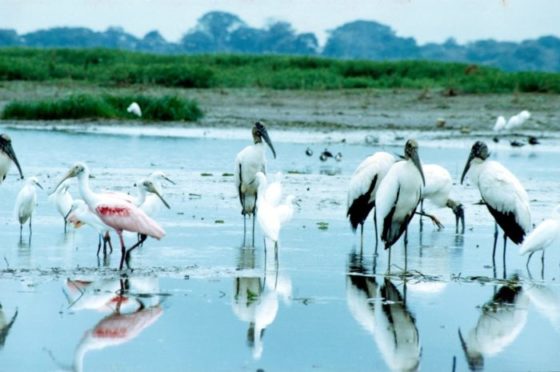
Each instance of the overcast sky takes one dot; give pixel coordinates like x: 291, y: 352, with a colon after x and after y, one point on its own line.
x: 426, y: 20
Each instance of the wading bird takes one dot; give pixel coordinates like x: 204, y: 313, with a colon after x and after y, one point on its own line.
x: 500, y: 124
x: 152, y: 203
x: 363, y: 187
x: 7, y: 156
x: 437, y: 188
x: 398, y: 196
x: 80, y: 214
x: 134, y: 109
x: 26, y: 201
x: 502, y: 193
x: 62, y: 199
x: 117, y: 213
x: 248, y: 162
x: 542, y: 236
x: 518, y: 120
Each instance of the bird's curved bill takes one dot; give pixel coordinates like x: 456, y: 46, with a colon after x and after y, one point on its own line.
x: 12, y: 155
x: 39, y: 185
x: 169, y: 180
x: 153, y: 190
x: 416, y: 162
x: 467, y: 166
x: 264, y: 135
x: 68, y: 174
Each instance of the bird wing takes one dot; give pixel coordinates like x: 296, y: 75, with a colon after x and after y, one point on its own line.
x: 121, y: 215
x: 541, y: 237
x: 438, y: 183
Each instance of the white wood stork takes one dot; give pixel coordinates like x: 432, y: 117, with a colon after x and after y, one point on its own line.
x: 362, y: 189
x: 502, y: 193
x: 7, y: 156
x: 501, y: 321
x: 542, y: 236
x: 398, y: 196
x: 248, y: 162
x: 26, y: 201
x: 438, y: 186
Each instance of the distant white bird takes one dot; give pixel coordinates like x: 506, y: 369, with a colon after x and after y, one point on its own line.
x: 542, y: 236
x: 518, y: 120
x: 134, y: 109
x: 80, y: 214
x: 438, y: 186
x: 152, y: 203
x: 248, y: 162
x: 7, y: 156
x: 500, y: 124
x: 62, y: 199
x: 363, y: 187
x: 270, y: 214
x: 26, y: 202
x: 503, y: 194
x: 501, y: 321
x: 398, y: 196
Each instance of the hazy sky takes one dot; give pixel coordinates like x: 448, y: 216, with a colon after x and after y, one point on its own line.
x: 426, y: 20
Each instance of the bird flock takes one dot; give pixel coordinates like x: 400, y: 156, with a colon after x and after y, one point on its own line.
x: 393, y: 187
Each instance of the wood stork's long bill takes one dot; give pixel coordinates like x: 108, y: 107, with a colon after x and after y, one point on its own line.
x: 479, y: 153
x: 7, y: 149
x: 411, y: 153
x: 260, y: 133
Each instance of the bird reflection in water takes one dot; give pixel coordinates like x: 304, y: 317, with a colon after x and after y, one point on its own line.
x: 501, y: 322
x: 6, y: 325
x: 546, y: 301
x: 134, y: 305
x: 256, y: 297
x: 382, y: 311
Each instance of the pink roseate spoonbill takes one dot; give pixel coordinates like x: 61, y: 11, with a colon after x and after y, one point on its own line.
x: 80, y: 214
x: 248, y: 162
x: 62, y: 200
x: 542, y: 236
x: 7, y: 157
x: 398, y: 196
x: 363, y: 187
x: 119, y: 214
x: 438, y: 186
x: 503, y: 194
x: 26, y: 201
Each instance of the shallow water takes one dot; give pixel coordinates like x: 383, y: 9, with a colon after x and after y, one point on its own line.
x: 198, y: 300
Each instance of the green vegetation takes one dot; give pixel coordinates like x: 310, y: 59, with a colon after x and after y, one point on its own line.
x: 88, y: 106
x: 113, y: 68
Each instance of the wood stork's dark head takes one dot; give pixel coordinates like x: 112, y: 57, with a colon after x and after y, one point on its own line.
x: 479, y: 153
x: 260, y: 133
x: 7, y: 149
x: 411, y: 153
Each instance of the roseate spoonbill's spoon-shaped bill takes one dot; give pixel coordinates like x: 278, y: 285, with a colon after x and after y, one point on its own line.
x: 438, y: 186
x: 541, y: 237
x: 26, y: 202
x: 116, y: 213
x: 503, y: 194
x: 152, y: 203
x: 398, y: 196
x: 80, y: 214
x: 7, y: 156
x: 500, y: 323
x: 248, y: 162
x: 363, y: 188
x: 62, y: 200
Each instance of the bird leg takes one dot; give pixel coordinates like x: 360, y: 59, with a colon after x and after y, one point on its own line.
x: 376, y: 237
x: 389, y: 262
x: 20, y: 231
x: 98, y: 248
x: 65, y: 223
x: 435, y: 221
x: 143, y: 237
x: 542, y: 265
x: 107, y: 240
x: 459, y: 212
x: 495, y: 242
x: 421, y: 214
x: 253, y: 240
x: 244, y: 228
x: 30, y: 229
x: 405, y: 250
x: 529, y: 259
x: 362, y: 239
x: 504, y: 254
x: 123, y: 250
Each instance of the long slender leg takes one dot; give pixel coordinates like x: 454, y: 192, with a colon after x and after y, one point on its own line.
x: 542, y: 265
x: 99, y: 246
x: 123, y: 250
x: 244, y: 229
x: 362, y: 239
x: 389, y: 262
x: 504, y: 255
x: 529, y: 259
x: 405, y: 250
x: 421, y: 215
x: 495, y: 242
x: 375, y: 225
x: 138, y: 243
x: 107, y: 240
x: 65, y: 223
x: 254, y: 227
x: 30, y: 229
x: 20, y: 231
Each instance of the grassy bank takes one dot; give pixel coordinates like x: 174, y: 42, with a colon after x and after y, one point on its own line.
x: 120, y: 68
x: 89, y: 106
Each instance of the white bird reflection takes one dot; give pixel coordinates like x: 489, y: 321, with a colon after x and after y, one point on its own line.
x: 6, y: 325
x: 130, y: 314
x: 256, y: 298
x: 546, y: 301
x: 501, y: 322
x: 381, y: 310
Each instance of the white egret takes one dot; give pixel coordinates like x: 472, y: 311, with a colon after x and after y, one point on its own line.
x: 363, y: 187
x: 248, y: 162
x: 117, y: 213
x: 437, y: 188
x: 26, y: 201
x: 134, y: 108
x: 7, y: 156
x: 398, y: 196
x: 542, y: 236
x: 518, y: 120
x: 500, y: 124
x: 502, y: 193
x: 80, y: 214
x: 62, y: 200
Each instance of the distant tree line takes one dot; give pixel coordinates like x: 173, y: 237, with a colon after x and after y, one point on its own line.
x: 227, y: 33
